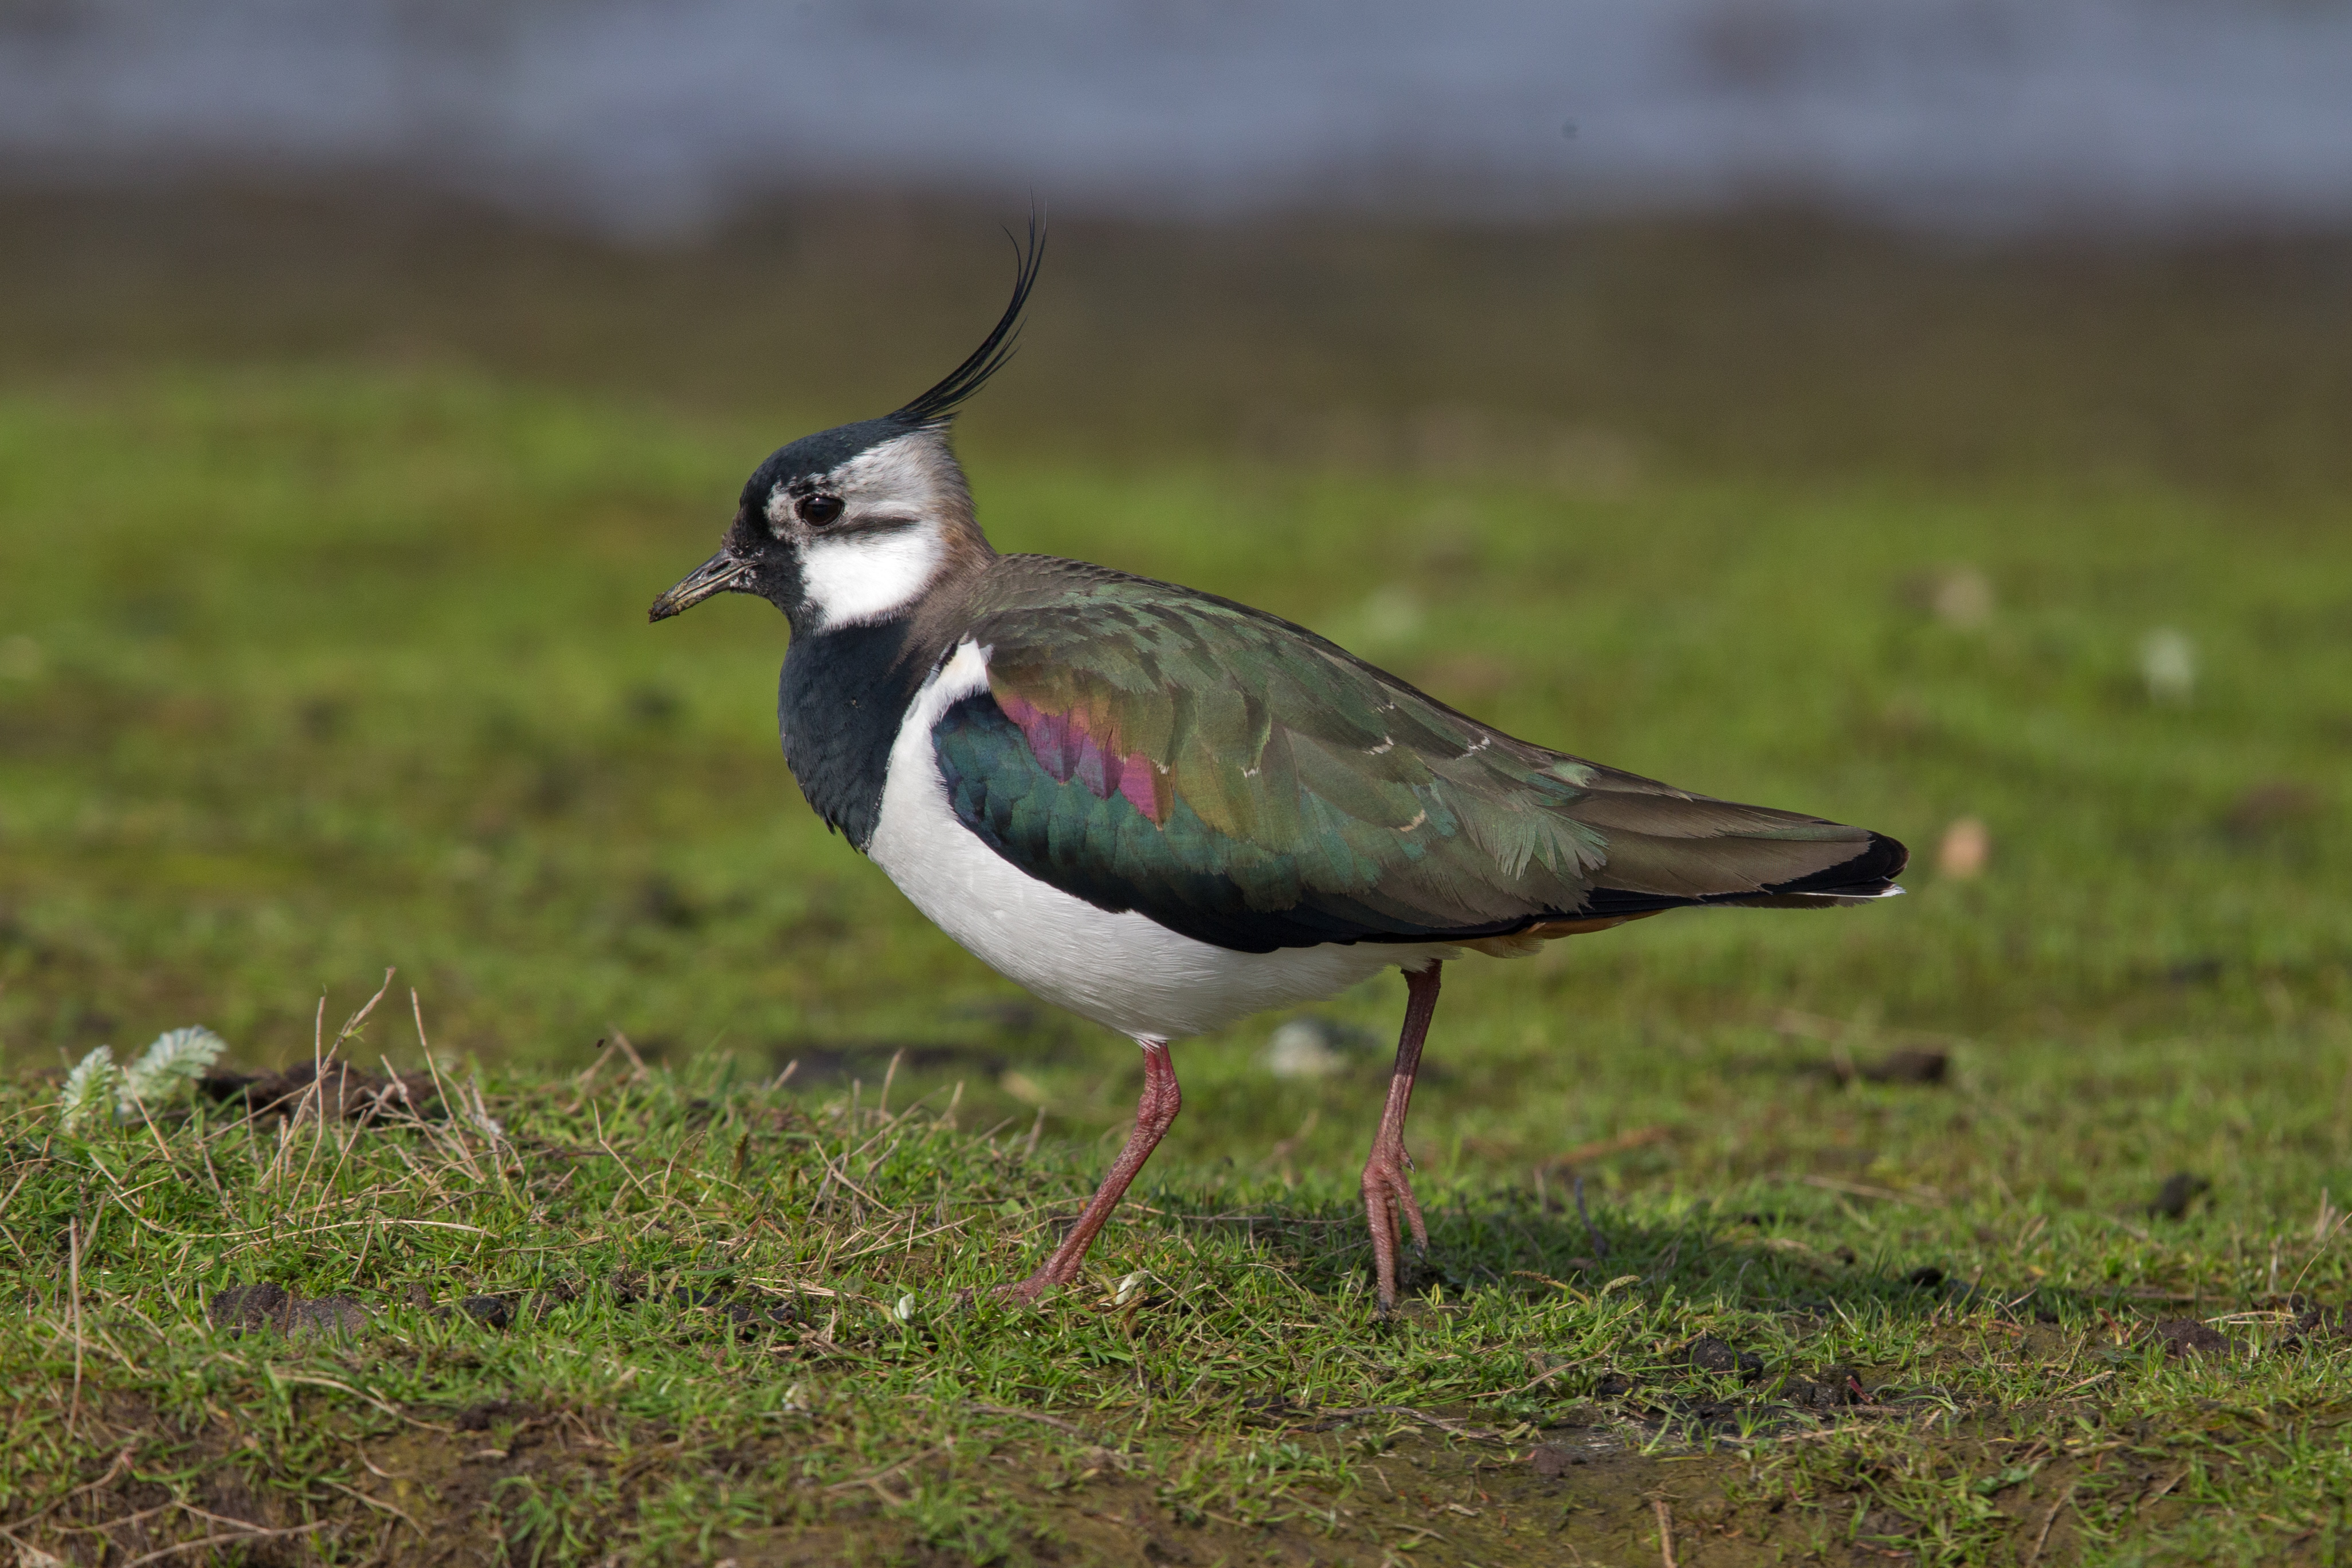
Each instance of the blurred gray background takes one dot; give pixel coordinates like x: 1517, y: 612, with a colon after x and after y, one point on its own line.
x: 661, y: 117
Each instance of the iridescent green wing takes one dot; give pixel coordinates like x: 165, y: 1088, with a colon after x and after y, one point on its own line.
x: 1242, y: 781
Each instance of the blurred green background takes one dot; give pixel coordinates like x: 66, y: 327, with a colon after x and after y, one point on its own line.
x: 327, y: 521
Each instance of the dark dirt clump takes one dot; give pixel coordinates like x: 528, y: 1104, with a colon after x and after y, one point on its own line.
x: 2323, y: 1325
x: 2185, y: 1336
x: 2180, y: 1190
x: 747, y: 1314
x: 242, y: 1307
x: 489, y: 1413
x: 1707, y: 1353
x: 762, y: 1317
x: 309, y: 1090
x: 1835, y: 1388
x: 1919, y: 1067
x: 253, y: 1308
x: 327, y: 1315
x: 490, y: 1311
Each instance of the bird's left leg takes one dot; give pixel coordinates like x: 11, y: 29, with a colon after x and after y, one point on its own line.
x: 1387, y: 1191
x: 1154, y: 1110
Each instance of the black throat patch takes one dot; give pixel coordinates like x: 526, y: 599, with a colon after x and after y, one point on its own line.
x: 839, y: 705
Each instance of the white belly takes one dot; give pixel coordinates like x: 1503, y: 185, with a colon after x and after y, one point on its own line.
x: 1126, y: 971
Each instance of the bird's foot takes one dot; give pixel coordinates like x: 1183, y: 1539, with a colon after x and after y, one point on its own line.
x: 1029, y: 1292
x: 1388, y: 1194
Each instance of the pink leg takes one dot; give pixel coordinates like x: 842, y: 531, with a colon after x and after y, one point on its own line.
x: 1153, y: 1112
x: 1386, y: 1192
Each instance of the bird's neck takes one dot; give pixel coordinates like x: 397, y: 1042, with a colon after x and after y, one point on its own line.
x: 843, y: 697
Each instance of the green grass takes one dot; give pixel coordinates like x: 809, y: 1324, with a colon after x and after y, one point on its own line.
x: 306, y: 673
x: 1242, y: 1402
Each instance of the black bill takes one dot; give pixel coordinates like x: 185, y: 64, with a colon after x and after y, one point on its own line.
x: 722, y: 573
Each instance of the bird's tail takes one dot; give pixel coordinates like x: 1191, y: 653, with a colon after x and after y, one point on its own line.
x: 1671, y: 850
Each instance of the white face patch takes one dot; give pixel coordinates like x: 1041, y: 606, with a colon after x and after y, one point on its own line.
x: 880, y: 555
x: 866, y: 577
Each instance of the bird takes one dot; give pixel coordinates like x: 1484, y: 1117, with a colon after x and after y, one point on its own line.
x: 1164, y: 810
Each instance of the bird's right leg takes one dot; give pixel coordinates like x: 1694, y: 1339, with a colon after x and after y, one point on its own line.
x: 1388, y: 1190
x: 1154, y: 1111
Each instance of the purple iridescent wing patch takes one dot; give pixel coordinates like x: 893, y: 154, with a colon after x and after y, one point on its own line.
x: 1083, y: 748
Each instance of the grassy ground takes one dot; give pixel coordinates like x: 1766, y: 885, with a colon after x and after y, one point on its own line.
x: 671, y: 1316
x: 312, y: 667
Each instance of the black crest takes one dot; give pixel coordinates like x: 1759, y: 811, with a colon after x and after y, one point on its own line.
x: 939, y: 404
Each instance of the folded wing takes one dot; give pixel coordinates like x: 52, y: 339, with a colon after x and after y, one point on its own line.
x: 1246, y: 782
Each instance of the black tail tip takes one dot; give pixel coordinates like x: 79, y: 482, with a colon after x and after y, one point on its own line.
x: 1873, y: 870
x: 1884, y: 859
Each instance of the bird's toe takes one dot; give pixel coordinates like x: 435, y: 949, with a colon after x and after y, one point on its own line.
x: 1027, y: 1292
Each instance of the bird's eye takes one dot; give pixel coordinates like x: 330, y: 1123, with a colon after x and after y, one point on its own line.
x: 818, y: 510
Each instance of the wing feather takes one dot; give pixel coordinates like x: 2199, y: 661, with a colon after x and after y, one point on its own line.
x: 1241, y: 780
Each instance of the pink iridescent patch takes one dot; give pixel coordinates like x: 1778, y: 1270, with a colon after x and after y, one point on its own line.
x: 1066, y: 749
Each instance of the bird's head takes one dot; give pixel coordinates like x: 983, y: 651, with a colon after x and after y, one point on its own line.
x: 856, y: 524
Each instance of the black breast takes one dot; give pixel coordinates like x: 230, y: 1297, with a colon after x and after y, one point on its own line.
x: 841, y: 699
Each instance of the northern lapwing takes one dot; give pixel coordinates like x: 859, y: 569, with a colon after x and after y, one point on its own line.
x: 1164, y: 810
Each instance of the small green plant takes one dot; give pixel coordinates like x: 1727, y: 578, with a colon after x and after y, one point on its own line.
x: 86, y: 1089
x: 169, y: 1066
x: 164, y: 1070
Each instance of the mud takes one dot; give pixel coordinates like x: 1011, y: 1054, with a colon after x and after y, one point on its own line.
x: 443, y: 1492
x: 456, y: 1489
x: 1673, y: 1464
